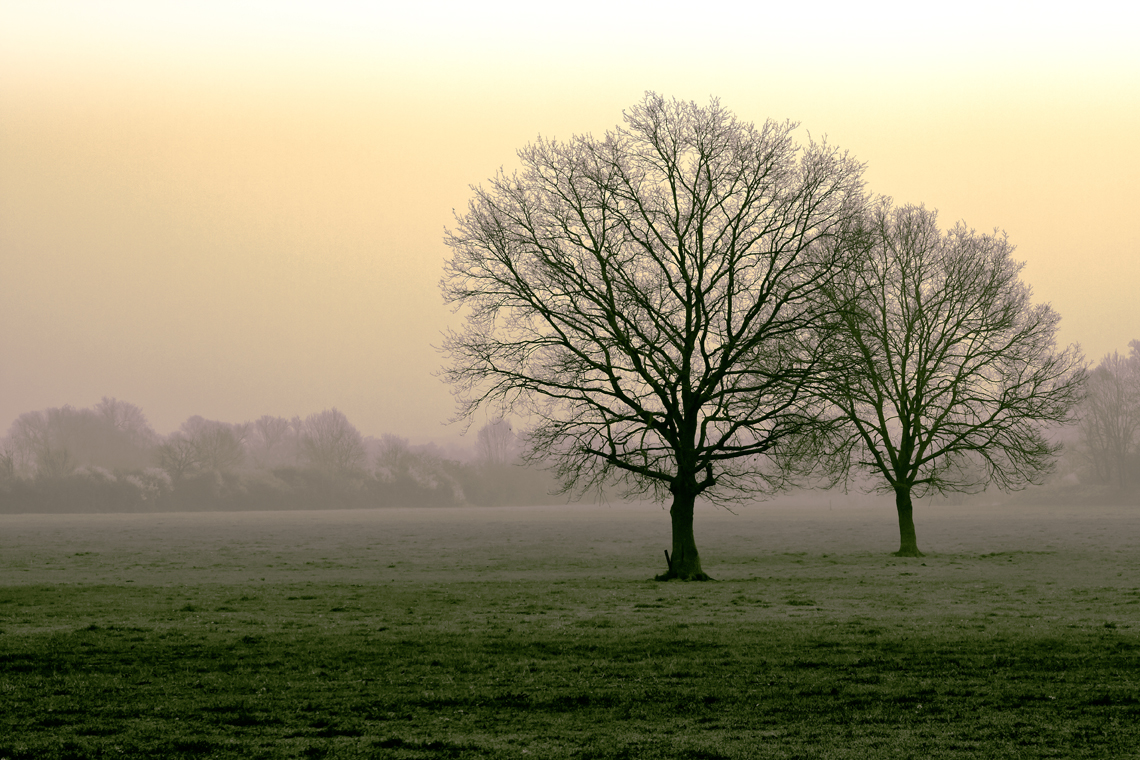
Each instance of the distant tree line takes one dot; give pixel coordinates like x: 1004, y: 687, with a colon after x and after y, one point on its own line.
x: 1099, y: 461
x: 1108, y: 450
x: 109, y: 459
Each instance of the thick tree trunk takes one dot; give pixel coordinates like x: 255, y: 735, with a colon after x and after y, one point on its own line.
x: 908, y: 541
x: 684, y: 563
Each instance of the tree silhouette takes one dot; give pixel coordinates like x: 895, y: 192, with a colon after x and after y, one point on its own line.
x: 948, y: 371
x: 643, y: 301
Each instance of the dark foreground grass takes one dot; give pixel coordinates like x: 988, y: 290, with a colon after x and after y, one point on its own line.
x: 836, y: 662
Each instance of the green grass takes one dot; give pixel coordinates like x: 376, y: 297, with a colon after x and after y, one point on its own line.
x: 1027, y: 653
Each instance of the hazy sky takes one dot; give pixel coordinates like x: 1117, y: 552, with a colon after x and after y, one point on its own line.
x: 234, y: 209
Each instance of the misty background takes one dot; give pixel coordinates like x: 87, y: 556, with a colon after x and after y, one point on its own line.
x: 108, y: 458
x: 215, y: 215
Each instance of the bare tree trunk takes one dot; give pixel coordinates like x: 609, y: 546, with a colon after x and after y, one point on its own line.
x: 685, y: 563
x: 908, y: 540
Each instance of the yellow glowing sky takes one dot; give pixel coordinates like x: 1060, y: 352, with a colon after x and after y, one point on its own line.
x: 236, y: 209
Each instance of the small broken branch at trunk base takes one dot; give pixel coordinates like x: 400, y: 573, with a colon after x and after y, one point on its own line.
x: 672, y: 574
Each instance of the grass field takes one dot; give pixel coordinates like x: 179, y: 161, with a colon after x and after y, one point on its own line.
x: 535, y: 633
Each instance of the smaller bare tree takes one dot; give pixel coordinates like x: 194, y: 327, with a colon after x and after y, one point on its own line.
x: 946, y: 371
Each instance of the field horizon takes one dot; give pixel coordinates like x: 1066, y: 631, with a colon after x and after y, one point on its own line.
x: 443, y: 540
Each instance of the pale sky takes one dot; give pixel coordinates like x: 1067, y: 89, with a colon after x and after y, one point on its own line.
x: 234, y: 209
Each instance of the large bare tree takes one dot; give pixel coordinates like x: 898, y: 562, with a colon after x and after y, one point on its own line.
x: 946, y: 372
x: 642, y: 299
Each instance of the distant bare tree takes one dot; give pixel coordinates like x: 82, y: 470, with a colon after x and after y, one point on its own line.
x: 7, y: 462
x: 113, y: 435
x: 55, y: 463
x: 642, y: 297
x: 394, y: 457
x: 297, y: 428
x: 177, y: 456
x: 1110, y: 415
x: 218, y: 446
x: 496, y: 442
x: 29, y: 439
x: 273, y: 442
x: 270, y: 432
x: 946, y: 372
x: 43, y: 441
x: 127, y: 418
x: 329, y: 442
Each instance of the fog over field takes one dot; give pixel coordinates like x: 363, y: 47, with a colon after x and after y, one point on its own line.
x: 590, y: 542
